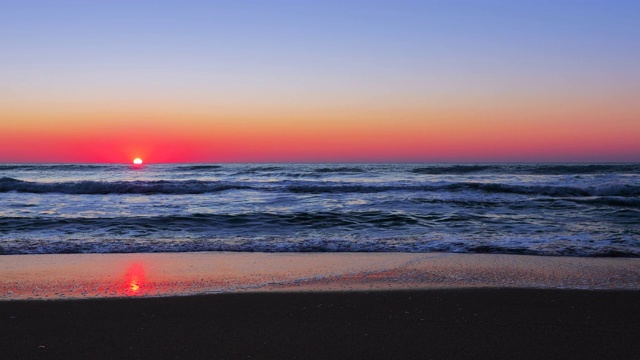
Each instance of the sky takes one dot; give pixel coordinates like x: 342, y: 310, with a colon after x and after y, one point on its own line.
x: 309, y: 81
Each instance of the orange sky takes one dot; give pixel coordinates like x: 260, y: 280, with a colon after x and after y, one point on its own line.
x: 567, y: 129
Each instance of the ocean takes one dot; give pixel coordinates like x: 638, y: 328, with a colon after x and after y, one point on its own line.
x: 538, y: 209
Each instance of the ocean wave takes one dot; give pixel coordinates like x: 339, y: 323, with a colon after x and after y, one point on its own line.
x: 268, y: 171
x: 312, y: 187
x: 301, y: 169
x: 454, y: 169
x: 61, y: 167
x: 547, y: 190
x: 264, y: 168
x: 632, y: 202
x: 236, y: 223
x: 118, y: 187
x: 551, y: 190
x: 584, y: 169
x: 550, y: 247
x: 529, y: 169
x: 339, y: 170
x: 203, y: 167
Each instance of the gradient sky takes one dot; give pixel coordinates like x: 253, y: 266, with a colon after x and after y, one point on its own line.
x: 196, y: 81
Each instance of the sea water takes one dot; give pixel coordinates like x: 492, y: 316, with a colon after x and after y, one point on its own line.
x: 539, y: 209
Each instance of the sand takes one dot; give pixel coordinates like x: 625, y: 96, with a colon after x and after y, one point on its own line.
x: 318, y: 306
x: 24, y: 277
x: 471, y: 323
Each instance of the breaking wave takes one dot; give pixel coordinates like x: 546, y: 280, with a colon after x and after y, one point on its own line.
x: 311, y: 187
x: 118, y: 187
x: 549, y: 247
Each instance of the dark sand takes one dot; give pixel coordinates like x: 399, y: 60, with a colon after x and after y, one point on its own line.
x: 472, y: 323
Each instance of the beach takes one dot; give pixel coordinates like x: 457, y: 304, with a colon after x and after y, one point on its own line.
x: 319, y: 180
x: 255, y: 305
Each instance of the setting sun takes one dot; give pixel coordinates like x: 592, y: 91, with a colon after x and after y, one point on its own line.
x: 137, y: 161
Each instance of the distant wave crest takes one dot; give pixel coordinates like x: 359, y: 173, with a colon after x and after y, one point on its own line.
x: 340, y: 170
x: 609, y: 190
x: 530, y: 169
x: 203, y: 167
x: 61, y: 167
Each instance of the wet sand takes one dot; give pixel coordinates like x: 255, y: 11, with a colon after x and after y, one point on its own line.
x: 318, y: 306
x: 77, y: 276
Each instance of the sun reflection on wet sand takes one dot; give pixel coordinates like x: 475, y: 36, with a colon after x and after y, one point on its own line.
x: 134, y: 280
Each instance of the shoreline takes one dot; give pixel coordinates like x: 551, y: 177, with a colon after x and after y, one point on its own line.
x: 86, y: 276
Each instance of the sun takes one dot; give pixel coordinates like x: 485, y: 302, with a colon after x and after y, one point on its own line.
x: 137, y: 161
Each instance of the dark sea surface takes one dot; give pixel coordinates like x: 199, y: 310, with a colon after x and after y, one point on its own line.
x: 539, y: 209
